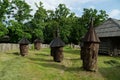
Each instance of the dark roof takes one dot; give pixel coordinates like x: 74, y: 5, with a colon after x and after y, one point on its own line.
x: 110, y: 28
x: 37, y: 41
x: 91, y: 35
x: 57, y: 42
x: 23, y: 41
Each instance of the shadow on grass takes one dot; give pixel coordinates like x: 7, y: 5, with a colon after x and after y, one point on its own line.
x: 14, y: 53
x: 51, y: 64
x: 75, y: 52
x: 112, y: 72
x: 42, y: 54
x: 112, y: 62
x: 74, y: 69
x: 40, y: 59
x: 74, y: 59
x: 60, y: 67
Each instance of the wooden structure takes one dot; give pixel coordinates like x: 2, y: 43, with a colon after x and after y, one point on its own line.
x: 56, y: 46
x: 37, y: 44
x: 109, y: 34
x: 90, y: 49
x: 23, y: 45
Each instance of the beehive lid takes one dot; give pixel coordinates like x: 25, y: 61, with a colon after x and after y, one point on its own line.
x: 57, y: 42
x: 23, y: 41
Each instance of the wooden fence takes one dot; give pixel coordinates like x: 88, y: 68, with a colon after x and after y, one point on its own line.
x: 5, y: 47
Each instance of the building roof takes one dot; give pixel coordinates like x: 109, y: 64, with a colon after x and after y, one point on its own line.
x: 110, y: 28
x: 23, y: 41
x: 57, y: 42
x: 91, y: 35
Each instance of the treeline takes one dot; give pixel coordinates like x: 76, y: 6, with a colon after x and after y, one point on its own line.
x: 16, y: 22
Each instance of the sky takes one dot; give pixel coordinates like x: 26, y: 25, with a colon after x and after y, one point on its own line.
x: 112, y: 7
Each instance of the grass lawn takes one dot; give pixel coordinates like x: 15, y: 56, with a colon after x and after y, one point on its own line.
x: 39, y: 65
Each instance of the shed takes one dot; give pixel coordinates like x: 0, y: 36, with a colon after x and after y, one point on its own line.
x: 37, y: 44
x: 56, y: 46
x: 109, y: 34
x: 23, y: 46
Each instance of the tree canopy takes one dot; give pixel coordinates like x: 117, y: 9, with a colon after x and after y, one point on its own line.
x: 17, y: 22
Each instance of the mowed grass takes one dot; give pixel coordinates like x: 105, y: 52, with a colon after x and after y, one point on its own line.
x: 39, y: 65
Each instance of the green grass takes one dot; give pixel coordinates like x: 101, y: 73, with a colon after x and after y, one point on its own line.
x: 39, y: 65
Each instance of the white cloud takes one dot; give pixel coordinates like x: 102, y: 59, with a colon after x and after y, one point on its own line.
x: 49, y: 4
x: 115, y: 14
x: 74, y: 5
x: 52, y: 4
x: 93, y: 7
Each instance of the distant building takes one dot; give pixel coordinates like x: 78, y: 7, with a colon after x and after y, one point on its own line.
x: 109, y: 34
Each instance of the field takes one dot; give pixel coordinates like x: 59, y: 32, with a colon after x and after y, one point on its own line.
x: 39, y: 65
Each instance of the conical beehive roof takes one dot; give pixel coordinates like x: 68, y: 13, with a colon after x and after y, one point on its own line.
x: 57, y: 42
x: 91, y: 35
x: 23, y: 41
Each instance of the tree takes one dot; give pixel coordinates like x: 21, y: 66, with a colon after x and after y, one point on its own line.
x: 62, y: 14
x: 37, y: 24
x: 3, y: 30
x: 4, y: 4
x: 80, y: 24
x: 59, y: 19
x: 15, y: 31
x: 99, y: 16
x: 77, y: 31
x: 20, y: 12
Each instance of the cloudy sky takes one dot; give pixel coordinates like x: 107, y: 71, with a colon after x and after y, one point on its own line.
x: 112, y: 7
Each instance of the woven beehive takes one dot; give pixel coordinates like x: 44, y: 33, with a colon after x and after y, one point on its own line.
x: 23, y: 45
x: 37, y: 44
x: 90, y: 49
x: 57, y: 49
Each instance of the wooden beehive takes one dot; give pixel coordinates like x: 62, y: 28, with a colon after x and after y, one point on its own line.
x: 23, y: 45
x: 90, y: 49
x: 57, y: 49
x: 37, y: 44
